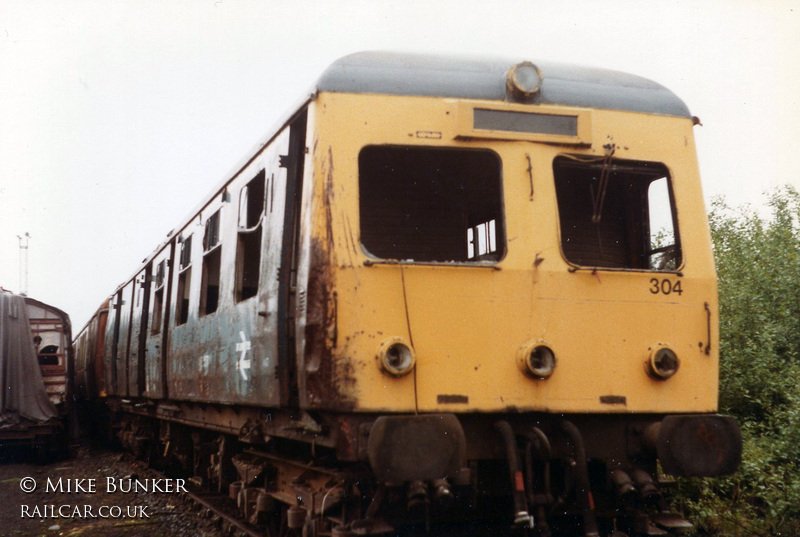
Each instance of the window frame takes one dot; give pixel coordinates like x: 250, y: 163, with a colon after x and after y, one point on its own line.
x: 249, y: 237
x: 500, y: 226
x: 212, y: 262
x: 159, y: 290
x: 631, y: 165
x: 184, y: 284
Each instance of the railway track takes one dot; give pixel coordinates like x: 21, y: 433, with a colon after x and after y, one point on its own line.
x: 216, y: 507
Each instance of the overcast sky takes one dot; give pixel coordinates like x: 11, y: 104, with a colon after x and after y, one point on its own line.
x: 117, y: 117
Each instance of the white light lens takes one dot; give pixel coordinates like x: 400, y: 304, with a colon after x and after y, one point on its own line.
x: 524, y: 79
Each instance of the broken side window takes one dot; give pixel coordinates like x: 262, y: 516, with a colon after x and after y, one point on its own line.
x: 184, y: 282
x: 212, y: 249
x: 158, y: 298
x: 431, y: 204
x: 211, y: 234
x: 616, y: 214
x: 48, y: 355
x: 248, y: 249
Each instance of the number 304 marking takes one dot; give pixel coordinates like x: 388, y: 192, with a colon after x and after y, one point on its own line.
x: 665, y: 286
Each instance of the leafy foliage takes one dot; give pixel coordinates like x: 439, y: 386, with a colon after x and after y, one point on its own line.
x: 758, y: 265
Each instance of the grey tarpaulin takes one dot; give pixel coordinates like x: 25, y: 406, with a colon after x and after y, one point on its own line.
x: 23, y: 392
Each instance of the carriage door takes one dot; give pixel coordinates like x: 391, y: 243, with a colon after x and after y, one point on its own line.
x: 120, y: 338
x: 284, y: 171
x: 155, y: 333
x: 138, y: 332
x: 111, y: 343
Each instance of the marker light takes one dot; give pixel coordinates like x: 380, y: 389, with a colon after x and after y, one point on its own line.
x: 663, y: 363
x: 536, y: 359
x: 524, y: 80
x: 396, y: 356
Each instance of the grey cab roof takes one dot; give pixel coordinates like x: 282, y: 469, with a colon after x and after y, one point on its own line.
x: 484, y: 78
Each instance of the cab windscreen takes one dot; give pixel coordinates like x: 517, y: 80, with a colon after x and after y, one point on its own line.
x: 431, y: 204
x: 616, y: 214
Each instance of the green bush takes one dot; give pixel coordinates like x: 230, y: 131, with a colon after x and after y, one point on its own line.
x: 758, y: 265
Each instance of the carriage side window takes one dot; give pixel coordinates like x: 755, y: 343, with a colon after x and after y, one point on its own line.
x: 616, y: 214
x: 48, y: 340
x: 248, y: 248
x: 184, y: 282
x: 158, y: 298
x: 431, y: 204
x: 209, y: 299
x: 48, y: 355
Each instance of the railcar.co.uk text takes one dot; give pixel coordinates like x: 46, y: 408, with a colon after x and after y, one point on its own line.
x: 113, y: 485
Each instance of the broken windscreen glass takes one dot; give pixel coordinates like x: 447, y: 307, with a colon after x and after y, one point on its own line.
x: 616, y: 214
x: 431, y: 204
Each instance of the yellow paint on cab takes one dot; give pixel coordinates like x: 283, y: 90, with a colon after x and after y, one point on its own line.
x: 467, y: 322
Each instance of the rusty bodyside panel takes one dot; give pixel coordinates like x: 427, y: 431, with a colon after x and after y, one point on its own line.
x: 326, y: 378
x: 92, y: 374
x: 88, y: 350
x: 224, y: 357
x: 230, y: 355
x: 223, y: 360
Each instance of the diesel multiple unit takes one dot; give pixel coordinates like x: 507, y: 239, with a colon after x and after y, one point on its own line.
x: 443, y: 289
